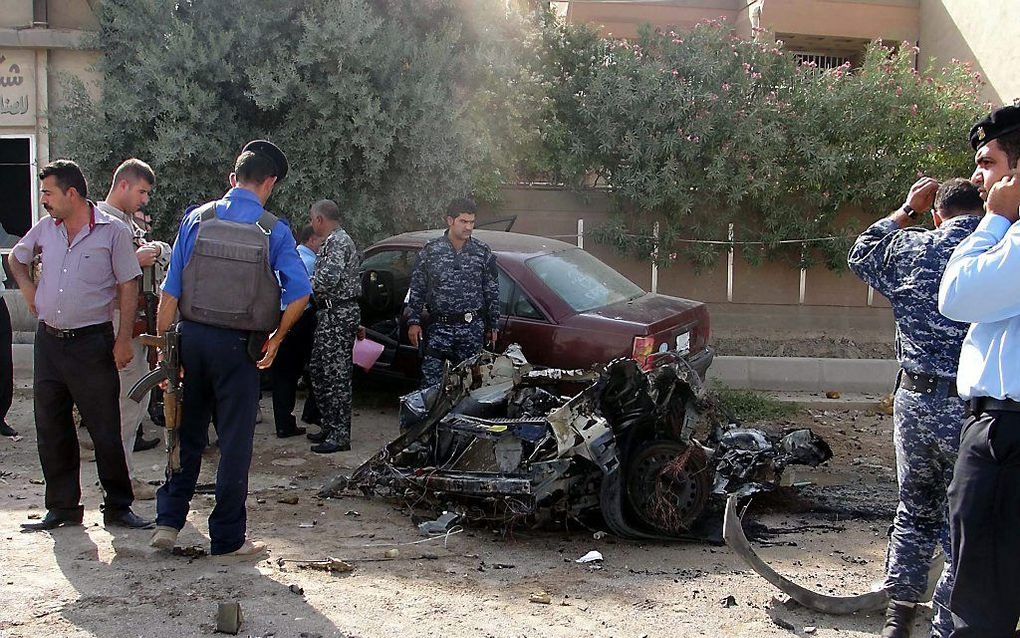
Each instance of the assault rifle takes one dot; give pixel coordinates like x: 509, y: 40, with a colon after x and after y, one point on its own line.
x: 168, y: 370
x: 150, y: 306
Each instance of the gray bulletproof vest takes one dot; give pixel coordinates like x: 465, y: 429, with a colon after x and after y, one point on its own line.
x: 228, y: 281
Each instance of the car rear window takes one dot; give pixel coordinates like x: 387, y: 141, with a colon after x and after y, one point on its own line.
x: 582, y: 281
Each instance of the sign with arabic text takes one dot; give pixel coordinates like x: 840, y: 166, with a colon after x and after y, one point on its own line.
x: 17, y: 87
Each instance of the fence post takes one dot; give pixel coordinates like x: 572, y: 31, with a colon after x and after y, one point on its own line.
x: 655, y: 259
x: 729, y: 266
x: 803, y: 274
x: 580, y: 233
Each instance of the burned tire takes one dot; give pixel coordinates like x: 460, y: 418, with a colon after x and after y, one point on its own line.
x: 667, y: 485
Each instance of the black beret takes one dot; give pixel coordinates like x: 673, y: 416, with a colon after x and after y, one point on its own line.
x: 273, y: 152
x: 998, y: 123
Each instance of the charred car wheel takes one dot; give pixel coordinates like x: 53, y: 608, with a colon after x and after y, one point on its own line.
x: 667, y: 486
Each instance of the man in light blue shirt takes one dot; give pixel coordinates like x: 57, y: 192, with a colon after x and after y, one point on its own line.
x: 981, y: 285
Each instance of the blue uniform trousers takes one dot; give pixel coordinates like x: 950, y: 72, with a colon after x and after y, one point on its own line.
x: 218, y: 375
x: 927, y: 436
x: 449, y: 342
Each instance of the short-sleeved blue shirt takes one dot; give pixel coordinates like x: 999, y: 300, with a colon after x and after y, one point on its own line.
x: 242, y: 205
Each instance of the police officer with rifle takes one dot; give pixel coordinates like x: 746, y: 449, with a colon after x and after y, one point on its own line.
x: 223, y: 280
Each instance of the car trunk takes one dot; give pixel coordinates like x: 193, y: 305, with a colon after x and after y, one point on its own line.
x: 677, y: 324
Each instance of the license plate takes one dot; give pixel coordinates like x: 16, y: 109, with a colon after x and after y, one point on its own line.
x: 683, y: 342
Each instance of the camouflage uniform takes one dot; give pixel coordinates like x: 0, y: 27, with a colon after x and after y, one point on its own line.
x: 453, y: 285
x: 336, y: 286
x: 906, y: 266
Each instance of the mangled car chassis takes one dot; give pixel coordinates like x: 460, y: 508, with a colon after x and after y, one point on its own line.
x: 513, y: 444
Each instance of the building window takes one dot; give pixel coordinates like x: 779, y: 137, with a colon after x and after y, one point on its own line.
x: 821, y: 61
x: 17, y: 183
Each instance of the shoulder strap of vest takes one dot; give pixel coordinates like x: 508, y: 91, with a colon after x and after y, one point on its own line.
x: 266, y: 221
x: 206, y: 212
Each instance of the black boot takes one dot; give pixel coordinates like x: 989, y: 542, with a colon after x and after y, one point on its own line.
x: 142, y: 443
x: 899, y: 619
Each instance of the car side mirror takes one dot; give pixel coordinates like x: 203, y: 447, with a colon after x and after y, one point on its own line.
x: 377, y: 289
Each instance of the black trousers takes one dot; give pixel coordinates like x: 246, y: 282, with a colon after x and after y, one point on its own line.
x: 79, y: 371
x: 289, y: 366
x: 984, y: 518
x: 6, y: 361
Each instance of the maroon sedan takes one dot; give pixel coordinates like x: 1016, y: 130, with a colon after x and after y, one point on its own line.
x: 563, y: 306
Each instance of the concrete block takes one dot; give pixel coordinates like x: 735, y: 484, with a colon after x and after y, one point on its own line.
x: 805, y: 374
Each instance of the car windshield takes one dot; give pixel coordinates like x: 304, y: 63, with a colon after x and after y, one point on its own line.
x: 582, y: 281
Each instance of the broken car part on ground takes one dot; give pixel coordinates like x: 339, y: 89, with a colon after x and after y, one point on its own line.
x: 502, y: 441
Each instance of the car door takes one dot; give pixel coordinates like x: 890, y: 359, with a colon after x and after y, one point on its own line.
x: 524, y: 323
x: 385, y: 279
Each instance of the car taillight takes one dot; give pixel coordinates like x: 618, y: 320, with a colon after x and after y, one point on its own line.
x: 642, y: 352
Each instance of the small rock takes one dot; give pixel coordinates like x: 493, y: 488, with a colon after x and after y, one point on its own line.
x: 788, y: 626
x: 229, y: 618
x: 37, y: 481
x: 832, y: 394
x: 296, y: 589
x: 810, y: 630
x: 392, y: 553
x: 352, y: 513
x: 541, y: 598
x: 288, y: 500
x: 729, y: 601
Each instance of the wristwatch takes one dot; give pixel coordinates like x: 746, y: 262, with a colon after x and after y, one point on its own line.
x: 908, y: 209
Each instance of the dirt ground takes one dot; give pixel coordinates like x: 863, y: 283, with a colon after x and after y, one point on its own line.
x: 89, y: 581
x: 815, y: 344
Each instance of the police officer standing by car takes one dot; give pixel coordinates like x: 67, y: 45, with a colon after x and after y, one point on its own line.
x: 905, y: 263
x: 223, y: 280
x: 337, y: 286
x: 982, y: 285
x: 456, y: 282
x: 88, y: 264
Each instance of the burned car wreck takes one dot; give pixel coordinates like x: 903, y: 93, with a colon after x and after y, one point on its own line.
x: 502, y: 441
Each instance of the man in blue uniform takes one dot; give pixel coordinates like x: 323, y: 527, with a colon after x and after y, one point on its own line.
x: 981, y: 285
x: 455, y: 279
x: 905, y: 263
x: 228, y: 264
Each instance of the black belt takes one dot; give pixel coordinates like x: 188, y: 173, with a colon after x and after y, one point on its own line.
x: 76, y: 332
x: 456, y: 317
x: 925, y: 383
x: 988, y: 404
x: 328, y: 303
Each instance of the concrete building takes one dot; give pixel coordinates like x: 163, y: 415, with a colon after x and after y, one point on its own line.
x: 982, y: 32
x: 40, y: 41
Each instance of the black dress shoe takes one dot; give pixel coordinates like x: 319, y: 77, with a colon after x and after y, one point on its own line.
x: 316, y: 437
x: 52, y: 520
x: 127, y: 519
x: 145, y: 444
x: 326, y: 447
x: 286, y: 434
x: 7, y: 430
